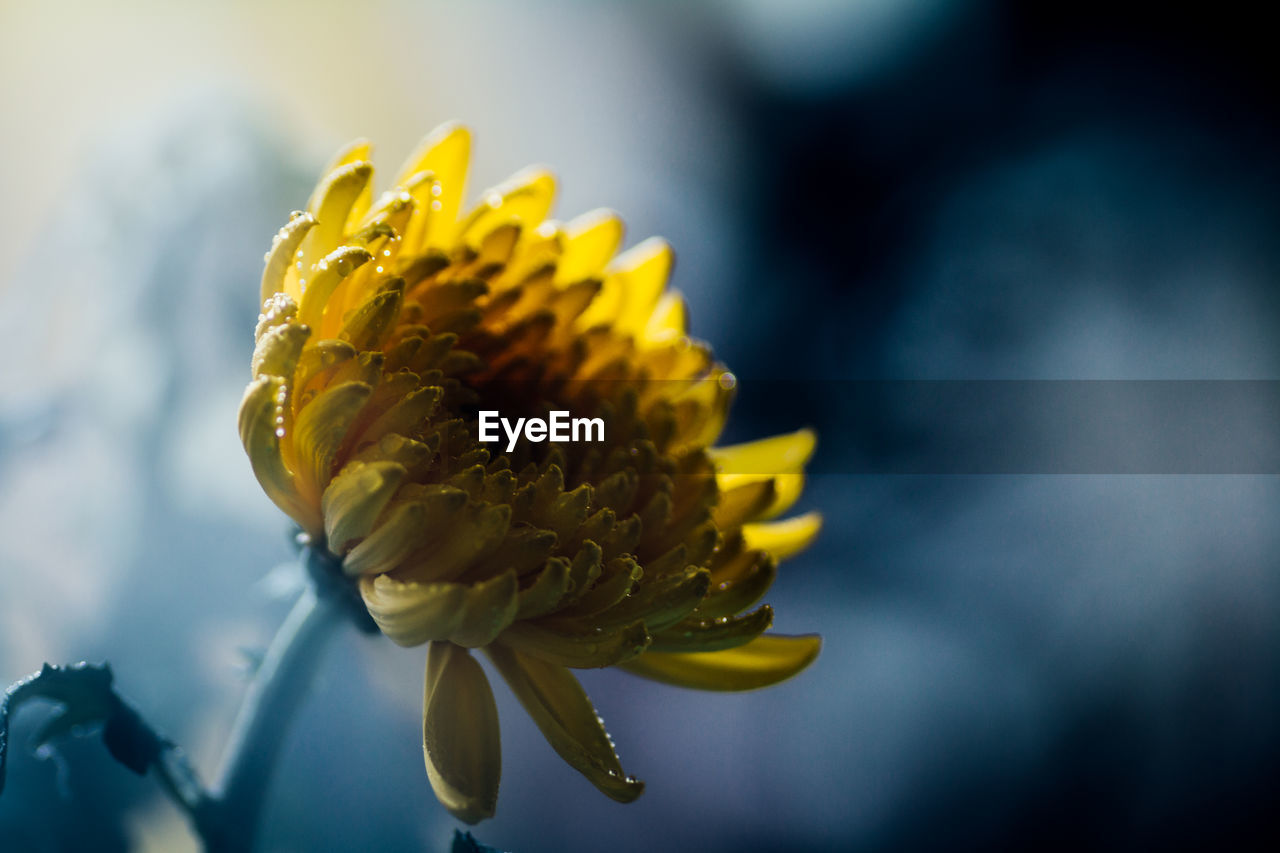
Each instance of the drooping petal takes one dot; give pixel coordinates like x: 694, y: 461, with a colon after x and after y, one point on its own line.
x: 765, y: 660
x: 460, y: 736
x: 560, y: 707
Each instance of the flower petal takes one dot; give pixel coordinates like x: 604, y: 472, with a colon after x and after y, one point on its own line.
x: 445, y: 153
x: 355, y: 498
x: 713, y: 635
x: 331, y: 205
x: 407, y: 526
x: 765, y: 660
x: 768, y: 457
x: 784, y: 538
x: 525, y: 197
x: 460, y: 737
x: 284, y: 247
x: 320, y: 428
x: 258, y: 422
x: 328, y: 274
x: 586, y: 648
x: 560, y: 707
x: 412, y: 613
x: 590, y: 242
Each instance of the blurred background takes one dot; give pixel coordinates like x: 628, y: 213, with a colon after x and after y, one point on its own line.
x: 857, y: 190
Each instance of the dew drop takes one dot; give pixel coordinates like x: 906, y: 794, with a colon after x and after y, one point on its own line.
x: 728, y: 381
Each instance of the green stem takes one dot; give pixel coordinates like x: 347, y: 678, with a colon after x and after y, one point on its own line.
x: 229, y: 819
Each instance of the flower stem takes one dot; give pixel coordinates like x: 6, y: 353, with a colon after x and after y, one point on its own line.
x: 231, y: 816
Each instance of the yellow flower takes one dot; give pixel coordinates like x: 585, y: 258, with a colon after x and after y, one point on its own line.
x: 386, y: 328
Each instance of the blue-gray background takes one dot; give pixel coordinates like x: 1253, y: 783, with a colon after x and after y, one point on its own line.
x: 856, y: 190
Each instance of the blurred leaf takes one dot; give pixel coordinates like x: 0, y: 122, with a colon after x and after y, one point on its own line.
x: 87, y: 698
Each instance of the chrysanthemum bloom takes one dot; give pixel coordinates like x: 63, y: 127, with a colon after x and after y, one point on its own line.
x: 386, y: 327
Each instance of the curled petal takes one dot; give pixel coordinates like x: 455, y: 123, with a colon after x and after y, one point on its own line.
x: 460, y: 736
x: 465, y: 614
x: 284, y: 247
x: 260, y: 414
x: 568, y: 720
x: 355, y: 498
x: 321, y: 427
x: 765, y: 660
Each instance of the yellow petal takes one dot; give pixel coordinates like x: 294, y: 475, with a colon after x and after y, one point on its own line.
x: 669, y: 320
x: 260, y: 412
x: 781, y: 458
x: 460, y: 738
x: 355, y: 499
x: 353, y: 152
x: 284, y: 249
x: 278, y: 350
x: 590, y: 242
x: 328, y: 274
x: 331, y: 205
x: 445, y: 153
x: 780, y: 454
x: 785, y: 538
x: 764, y: 661
x: 744, y: 502
x: 633, y: 284
x: 412, y: 613
x: 320, y: 428
x: 525, y: 197
x: 560, y: 707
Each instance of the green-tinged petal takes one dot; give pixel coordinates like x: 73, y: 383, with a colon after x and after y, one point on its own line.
x: 764, y: 661
x: 589, y: 647
x: 547, y: 591
x: 660, y: 601
x: 560, y: 707
x: 355, y: 498
x: 488, y: 609
x: 784, y: 538
x: 370, y: 324
x: 460, y: 737
x: 744, y: 582
x: 322, y: 425
x: 713, y: 635
x: 261, y: 412
x: 284, y: 249
x: 473, y: 535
